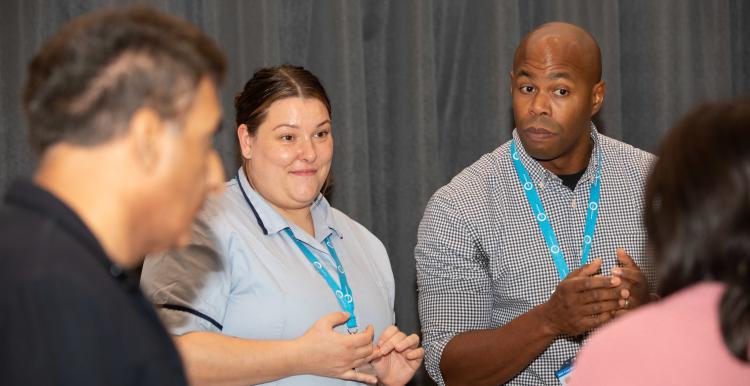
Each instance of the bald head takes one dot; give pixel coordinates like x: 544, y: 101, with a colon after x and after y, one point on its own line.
x: 562, y: 41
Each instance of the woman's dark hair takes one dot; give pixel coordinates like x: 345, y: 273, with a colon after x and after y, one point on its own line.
x: 697, y: 211
x: 271, y: 84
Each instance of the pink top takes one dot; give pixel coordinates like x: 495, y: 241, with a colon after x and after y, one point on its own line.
x: 676, y: 341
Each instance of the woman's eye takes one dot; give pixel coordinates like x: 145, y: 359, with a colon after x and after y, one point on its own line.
x: 287, y: 138
x: 322, y: 134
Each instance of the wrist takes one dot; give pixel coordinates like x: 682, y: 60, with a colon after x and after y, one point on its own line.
x: 297, y: 361
x: 546, y: 322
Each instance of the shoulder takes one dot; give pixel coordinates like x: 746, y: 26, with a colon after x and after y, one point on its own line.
x: 473, y: 185
x: 626, y: 158
x: 662, y: 327
x: 357, y: 230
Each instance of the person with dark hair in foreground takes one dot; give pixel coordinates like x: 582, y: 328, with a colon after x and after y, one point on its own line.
x: 698, y: 222
x: 122, y: 107
x: 541, y: 240
x: 278, y: 286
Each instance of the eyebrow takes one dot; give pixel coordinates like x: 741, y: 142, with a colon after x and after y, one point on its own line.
x: 525, y: 73
x: 327, y: 121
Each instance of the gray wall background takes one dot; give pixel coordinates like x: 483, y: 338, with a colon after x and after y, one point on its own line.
x: 420, y: 89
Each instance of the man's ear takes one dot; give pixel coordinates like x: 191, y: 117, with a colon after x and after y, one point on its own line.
x: 598, y: 97
x: 246, y: 141
x: 512, y: 82
x: 146, y: 131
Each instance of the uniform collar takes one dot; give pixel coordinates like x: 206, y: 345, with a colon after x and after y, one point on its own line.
x: 271, y: 221
x: 543, y: 177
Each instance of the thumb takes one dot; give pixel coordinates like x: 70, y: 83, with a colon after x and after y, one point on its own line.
x: 588, y: 269
x: 333, y: 319
x: 625, y: 259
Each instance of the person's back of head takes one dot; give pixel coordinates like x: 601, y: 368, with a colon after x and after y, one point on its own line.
x: 121, y: 105
x: 86, y: 81
x: 698, y: 211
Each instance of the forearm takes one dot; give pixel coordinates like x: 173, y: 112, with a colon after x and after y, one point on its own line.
x: 494, y: 356
x: 216, y: 359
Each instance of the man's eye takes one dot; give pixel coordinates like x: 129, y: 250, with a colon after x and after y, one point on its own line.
x: 561, y: 92
x: 527, y: 89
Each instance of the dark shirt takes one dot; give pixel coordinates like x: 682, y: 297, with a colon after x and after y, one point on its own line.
x: 68, y: 314
x: 571, y: 180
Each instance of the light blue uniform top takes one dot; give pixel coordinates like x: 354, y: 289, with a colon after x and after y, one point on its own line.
x: 243, y: 276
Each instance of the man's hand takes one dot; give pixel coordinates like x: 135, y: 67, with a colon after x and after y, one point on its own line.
x: 325, y: 352
x: 582, y: 301
x: 634, y: 287
x: 399, y: 357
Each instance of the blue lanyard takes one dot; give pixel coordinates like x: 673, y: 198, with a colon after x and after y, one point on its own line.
x: 342, y: 292
x: 592, y: 212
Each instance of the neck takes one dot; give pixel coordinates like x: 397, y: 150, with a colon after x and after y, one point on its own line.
x: 573, y: 162
x: 300, y: 217
x: 75, y: 176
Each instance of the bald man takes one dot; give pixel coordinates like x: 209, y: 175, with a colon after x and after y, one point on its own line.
x: 540, y: 241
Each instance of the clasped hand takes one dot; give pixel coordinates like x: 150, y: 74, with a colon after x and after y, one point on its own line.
x: 584, y: 300
x: 328, y: 353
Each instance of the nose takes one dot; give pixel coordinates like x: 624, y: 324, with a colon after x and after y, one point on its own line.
x: 215, y: 176
x: 540, y: 104
x: 307, y: 150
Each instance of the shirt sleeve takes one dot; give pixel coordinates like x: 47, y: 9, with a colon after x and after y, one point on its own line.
x: 452, y: 279
x: 190, y: 287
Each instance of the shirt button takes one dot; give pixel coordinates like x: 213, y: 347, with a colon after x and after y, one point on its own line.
x: 541, y: 185
x: 573, y: 203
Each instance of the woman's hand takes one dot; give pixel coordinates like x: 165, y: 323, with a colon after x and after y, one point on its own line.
x: 325, y: 352
x: 399, y: 357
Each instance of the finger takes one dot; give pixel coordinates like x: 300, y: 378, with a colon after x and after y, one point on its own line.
x: 414, y: 354
x: 353, y: 375
x: 387, y: 334
x: 333, y: 319
x: 390, y: 344
x: 363, y: 354
x: 624, y: 294
x: 633, y: 275
x: 625, y: 259
x: 360, y: 339
x: 600, y: 308
x: 599, y: 295
x: 581, y: 284
x: 588, y: 269
x: 411, y: 341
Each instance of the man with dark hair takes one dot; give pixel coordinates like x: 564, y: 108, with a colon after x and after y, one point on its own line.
x: 541, y: 240
x: 122, y: 106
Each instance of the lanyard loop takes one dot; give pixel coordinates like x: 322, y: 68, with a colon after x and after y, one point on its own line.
x: 341, y: 291
x: 592, y: 213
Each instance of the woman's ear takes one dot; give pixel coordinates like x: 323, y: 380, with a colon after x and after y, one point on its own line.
x: 245, y: 139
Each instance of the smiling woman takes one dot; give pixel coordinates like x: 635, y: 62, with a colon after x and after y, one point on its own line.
x: 272, y: 263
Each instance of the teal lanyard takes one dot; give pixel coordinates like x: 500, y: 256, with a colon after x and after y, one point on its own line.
x: 592, y: 212
x: 341, y: 290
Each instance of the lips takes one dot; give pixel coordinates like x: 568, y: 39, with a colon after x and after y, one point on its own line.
x: 537, y: 133
x: 304, y: 172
